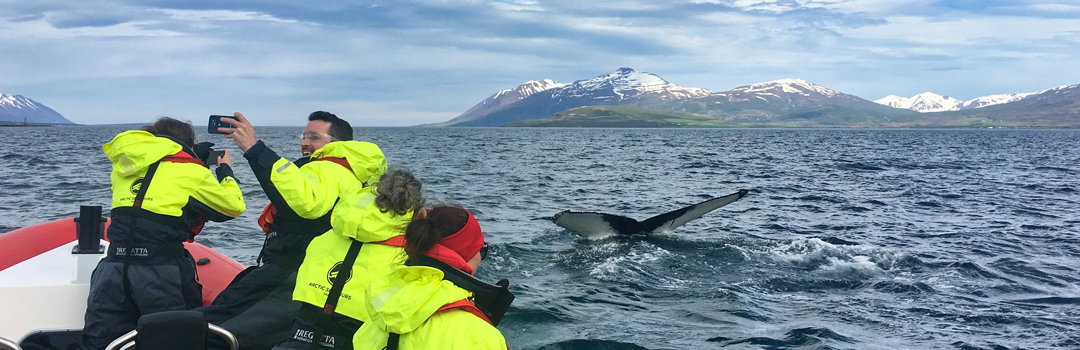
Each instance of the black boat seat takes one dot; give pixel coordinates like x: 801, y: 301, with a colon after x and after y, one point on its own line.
x: 172, y: 330
x: 51, y: 339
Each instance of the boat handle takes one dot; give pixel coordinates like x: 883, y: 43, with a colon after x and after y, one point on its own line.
x: 8, y: 345
x: 126, y: 341
x: 224, y: 333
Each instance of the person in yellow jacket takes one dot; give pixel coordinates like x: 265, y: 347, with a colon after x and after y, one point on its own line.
x: 426, y: 305
x: 162, y: 196
x: 257, y: 307
x: 365, y: 243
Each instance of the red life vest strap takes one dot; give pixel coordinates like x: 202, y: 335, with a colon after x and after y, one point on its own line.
x: 396, y: 241
x: 466, y: 305
x: 182, y: 157
x: 341, y: 161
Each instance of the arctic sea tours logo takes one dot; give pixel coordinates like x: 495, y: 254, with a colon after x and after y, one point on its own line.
x: 333, y: 273
x: 136, y: 185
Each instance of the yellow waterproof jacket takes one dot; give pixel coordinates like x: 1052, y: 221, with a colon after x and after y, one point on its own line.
x: 407, y: 301
x: 182, y: 193
x: 312, y: 190
x: 304, y: 196
x: 355, y: 218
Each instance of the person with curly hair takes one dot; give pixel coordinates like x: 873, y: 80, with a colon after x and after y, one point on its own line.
x: 365, y: 242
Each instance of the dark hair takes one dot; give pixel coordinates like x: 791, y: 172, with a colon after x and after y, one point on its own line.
x: 399, y: 191
x: 441, y: 221
x: 176, y: 129
x: 339, y: 128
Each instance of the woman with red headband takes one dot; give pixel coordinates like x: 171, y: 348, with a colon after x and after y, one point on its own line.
x: 426, y: 305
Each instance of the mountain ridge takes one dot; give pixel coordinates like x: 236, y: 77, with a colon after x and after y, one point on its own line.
x: 789, y: 102
x: 623, y: 86
x: 501, y: 99
x: 930, y: 102
x: 18, y: 108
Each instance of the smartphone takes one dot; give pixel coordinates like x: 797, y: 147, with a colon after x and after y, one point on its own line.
x: 215, y: 123
x: 212, y: 158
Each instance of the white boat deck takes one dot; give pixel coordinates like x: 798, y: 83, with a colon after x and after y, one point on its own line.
x: 48, y: 291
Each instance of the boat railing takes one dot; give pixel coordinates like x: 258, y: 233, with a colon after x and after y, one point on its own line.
x: 127, y: 341
x: 8, y: 345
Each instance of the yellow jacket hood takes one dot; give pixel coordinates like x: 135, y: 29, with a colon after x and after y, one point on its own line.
x: 365, y: 158
x: 404, y: 299
x: 132, y: 151
x: 359, y: 218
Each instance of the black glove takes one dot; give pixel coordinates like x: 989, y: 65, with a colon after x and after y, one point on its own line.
x: 202, y: 150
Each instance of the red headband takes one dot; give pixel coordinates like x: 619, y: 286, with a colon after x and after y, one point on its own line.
x: 458, y: 248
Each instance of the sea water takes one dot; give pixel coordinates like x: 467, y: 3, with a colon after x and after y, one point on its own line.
x: 848, y: 239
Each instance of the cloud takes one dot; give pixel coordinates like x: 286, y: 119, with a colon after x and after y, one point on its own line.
x: 414, y: 60
x: 220, y: 15
x: 1057, y: 8
x: 965, y: 31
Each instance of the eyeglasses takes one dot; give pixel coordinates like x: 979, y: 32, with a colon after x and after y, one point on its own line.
x: 317, y: 136
x: 483, y: 251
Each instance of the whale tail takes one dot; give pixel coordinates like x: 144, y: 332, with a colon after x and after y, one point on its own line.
x: 596, y: 225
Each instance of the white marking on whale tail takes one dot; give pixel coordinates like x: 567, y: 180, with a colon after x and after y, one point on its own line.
x: 599, y: 225
x: 587, y: 224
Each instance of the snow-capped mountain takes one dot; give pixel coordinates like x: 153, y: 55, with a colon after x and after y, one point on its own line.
x: 16, y: 108
x: 1056, y: 107
x: 786, y: 86
x: 505, y: 98
x: 793, y: 91
x: 924, y: 102
x: 785, y: 102
x: 996, y: 100
x: 623, y: 86
x: 793, y: 102
x: 930, y: 102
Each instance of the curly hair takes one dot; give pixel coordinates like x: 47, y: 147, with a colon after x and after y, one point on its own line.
x: 399, y: 191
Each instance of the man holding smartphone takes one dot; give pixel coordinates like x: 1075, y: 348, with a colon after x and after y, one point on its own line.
x: 258, y: 306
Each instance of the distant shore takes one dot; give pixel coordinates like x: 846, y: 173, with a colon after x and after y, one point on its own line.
x: 3, y: 124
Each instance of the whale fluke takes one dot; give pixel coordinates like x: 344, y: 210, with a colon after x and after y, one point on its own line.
x: 595, y: 225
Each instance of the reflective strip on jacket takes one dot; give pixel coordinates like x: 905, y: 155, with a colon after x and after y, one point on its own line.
x: 179, y: 190
x: 407, y: 301
x: 356, y: 217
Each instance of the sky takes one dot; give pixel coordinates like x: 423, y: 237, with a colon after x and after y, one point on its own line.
x: 408, y: 62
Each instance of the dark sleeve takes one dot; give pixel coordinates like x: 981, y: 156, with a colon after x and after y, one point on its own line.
x: 262, y: 159
x: 223, y: 171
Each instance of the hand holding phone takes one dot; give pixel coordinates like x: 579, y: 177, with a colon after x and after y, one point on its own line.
x: 215, y: 122
x: 242, y: 131
x: 212, y: 159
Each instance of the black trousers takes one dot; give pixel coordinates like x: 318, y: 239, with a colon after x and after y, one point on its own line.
x: 303, y: 334
x: 257, y: 308
x: 156, y: 284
